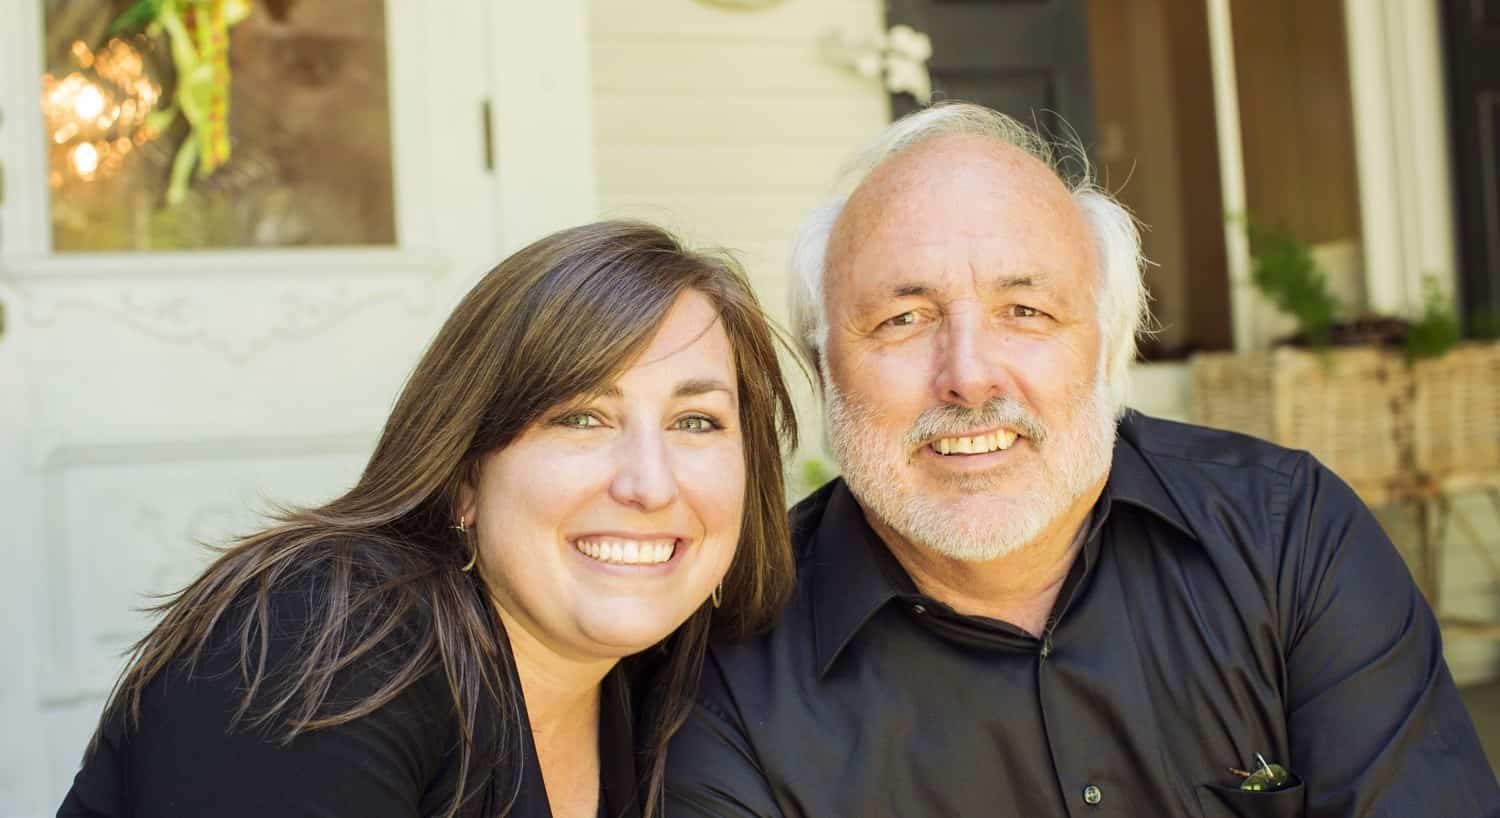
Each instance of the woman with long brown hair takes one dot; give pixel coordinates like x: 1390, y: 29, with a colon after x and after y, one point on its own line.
x: 580, y: 482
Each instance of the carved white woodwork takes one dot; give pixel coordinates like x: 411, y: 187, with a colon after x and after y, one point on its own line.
x: 127, y: 523
x: 152, y: 400
x: 898, y: 58
x: 261, y: 312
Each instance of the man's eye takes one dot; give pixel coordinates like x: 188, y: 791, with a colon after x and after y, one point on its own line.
x: 905, y: 319
x: 698, y: 423
x: 579, y: 420
x: 1023, y: 311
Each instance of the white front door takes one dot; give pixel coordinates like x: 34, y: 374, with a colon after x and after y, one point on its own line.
x: 155, y: 399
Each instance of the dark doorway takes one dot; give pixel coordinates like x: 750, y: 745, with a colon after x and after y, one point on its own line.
x: 1139, y: 94
x: 1473, y: 46
x: 1026, y: 58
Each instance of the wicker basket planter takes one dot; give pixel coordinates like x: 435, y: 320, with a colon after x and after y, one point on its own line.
x: 1456, y: 416
x: 1350, y: 407
x: 1386, y: 426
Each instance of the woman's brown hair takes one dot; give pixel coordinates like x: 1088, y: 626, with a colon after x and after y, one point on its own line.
x: 558, y: 320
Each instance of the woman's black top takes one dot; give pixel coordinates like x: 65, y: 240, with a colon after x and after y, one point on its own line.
x: 182, y: 757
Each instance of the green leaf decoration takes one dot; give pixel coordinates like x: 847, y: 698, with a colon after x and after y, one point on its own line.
x: 1290, y: 278
x: 137, y: 17
x: 1438, y: 330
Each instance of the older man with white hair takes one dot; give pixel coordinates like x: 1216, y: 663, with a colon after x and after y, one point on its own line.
x: 1023, y: 599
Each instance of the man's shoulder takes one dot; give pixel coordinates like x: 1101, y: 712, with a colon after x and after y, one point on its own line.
x: 1188, y: 475
x: 1172, y: 446
x: 1191, y: 474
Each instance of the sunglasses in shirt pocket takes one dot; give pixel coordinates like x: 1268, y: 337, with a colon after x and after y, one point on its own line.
x: 1218, y: 801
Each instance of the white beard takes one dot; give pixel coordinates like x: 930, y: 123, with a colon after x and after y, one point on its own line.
x: 973, y: 520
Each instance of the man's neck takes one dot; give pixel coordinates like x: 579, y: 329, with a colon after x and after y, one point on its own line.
x: 1019, y: 588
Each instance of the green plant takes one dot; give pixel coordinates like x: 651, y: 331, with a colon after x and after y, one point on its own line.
x: 1289, y: 277
x: 815, y: 473
x: 1437, y: 330
x: 1484, y: 324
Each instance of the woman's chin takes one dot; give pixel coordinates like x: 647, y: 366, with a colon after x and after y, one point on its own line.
x: 622, y: 630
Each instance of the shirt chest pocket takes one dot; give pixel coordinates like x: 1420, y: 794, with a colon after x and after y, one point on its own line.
x: 1218, y: 801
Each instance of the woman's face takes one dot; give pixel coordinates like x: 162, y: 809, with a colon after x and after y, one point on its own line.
x: 608, y: 522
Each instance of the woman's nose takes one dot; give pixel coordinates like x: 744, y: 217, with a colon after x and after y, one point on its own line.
x: 643, y: 471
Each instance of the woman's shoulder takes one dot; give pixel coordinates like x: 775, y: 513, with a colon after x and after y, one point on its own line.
x: 256, y: 717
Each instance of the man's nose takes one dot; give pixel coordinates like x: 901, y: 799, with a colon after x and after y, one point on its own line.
x: 643, y: 471
x: 968, y: 373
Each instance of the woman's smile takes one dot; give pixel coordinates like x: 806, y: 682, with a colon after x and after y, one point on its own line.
x: 627, y: 550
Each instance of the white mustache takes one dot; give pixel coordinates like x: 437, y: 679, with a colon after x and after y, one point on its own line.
x: 950, y: 420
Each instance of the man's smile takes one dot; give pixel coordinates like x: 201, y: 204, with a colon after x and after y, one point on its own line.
x: 984, y: 443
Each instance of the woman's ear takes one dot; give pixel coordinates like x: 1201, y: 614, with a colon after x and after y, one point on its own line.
x: 468, y: 494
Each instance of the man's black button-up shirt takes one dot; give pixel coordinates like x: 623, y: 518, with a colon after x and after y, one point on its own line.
x: 1232, y: 599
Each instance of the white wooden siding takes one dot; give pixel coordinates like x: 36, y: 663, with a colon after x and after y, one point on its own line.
x: 728, y: 126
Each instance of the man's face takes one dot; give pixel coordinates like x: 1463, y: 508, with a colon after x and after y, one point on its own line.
x: 964, y: 389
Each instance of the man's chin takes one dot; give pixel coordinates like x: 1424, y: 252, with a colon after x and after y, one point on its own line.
x: 995, y: 486
x: 977, y: 510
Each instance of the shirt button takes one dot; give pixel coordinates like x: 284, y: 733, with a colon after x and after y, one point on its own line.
x: 1092, y: 795
x: 918, y: 608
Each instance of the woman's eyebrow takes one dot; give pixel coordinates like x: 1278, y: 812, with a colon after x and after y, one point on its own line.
x: 687, y: 389
x: 699, y: 386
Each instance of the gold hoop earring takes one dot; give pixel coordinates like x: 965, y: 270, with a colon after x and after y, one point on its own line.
x: 463, y: 531
x: 718, y: 596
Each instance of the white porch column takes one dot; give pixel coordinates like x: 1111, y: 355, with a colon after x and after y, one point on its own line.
x: 542, y: 117
x: 1402, y: 149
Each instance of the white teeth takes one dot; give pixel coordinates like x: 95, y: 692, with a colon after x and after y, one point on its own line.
x: 627, y: 552
x: 976, y: 444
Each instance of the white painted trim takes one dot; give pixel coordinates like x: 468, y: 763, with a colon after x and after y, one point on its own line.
x: 543, y: 117
x: 256, y: 264
x: 1401, y: 149
x: 1231, y: 172
x: 25, y: 210
x: 415, y: 100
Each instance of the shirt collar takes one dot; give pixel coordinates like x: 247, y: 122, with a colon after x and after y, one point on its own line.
x: 1134, y: 479
x: 852, y: 575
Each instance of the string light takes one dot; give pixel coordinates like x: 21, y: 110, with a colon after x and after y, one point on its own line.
x: 99, y: 113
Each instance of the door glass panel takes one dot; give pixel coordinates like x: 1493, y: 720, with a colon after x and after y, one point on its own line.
x: 197, y: 124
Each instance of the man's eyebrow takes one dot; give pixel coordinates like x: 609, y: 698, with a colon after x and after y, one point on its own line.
x: 1010, y: 282
x: 1021, y: 282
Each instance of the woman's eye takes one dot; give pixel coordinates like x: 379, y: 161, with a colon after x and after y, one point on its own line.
x: 697, y: 423
x: 905, y: 319
x: 578, y: 420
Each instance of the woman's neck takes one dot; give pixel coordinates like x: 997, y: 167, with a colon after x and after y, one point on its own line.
x: 562, y: 697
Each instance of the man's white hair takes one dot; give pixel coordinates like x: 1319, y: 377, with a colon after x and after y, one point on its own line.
x: 1121, y: 294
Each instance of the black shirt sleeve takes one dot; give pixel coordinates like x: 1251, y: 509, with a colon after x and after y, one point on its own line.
x: 712, y: 770
x: 183, y: 757
x: 1376, y: 724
